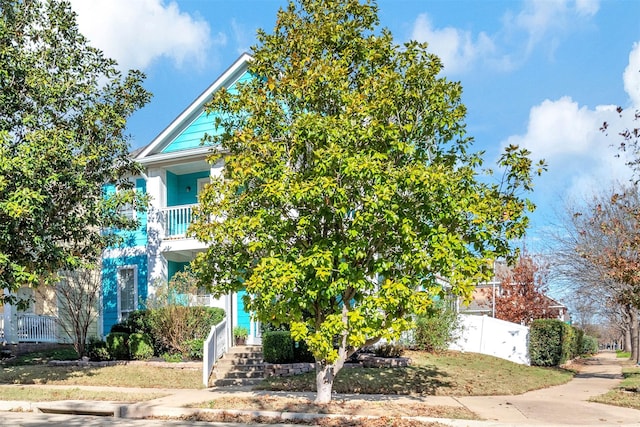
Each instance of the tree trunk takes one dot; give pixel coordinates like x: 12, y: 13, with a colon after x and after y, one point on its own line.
x: 324, y: 382
x: 634, y: 336
x: 626, y: 344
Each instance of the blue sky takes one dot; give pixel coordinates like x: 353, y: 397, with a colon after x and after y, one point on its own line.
x: 543, y: 74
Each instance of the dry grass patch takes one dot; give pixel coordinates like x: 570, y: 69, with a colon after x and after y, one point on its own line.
x: 444, y: 374
x: 111, y: 376
x: 387, y: 408
x: 37, y: 394
x: 322, y: 422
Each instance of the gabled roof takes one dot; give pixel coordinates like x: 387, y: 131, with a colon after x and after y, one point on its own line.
x: 184, y: 134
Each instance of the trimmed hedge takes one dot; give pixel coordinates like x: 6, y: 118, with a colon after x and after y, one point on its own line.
x: 589, y: 345
x: 279, y: 347
x: 553, y: 342
x: 140, y: 347
x: 118, y: 346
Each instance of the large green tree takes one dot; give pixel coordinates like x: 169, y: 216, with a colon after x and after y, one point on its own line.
x: 62, y: 121
x: 349, y: 187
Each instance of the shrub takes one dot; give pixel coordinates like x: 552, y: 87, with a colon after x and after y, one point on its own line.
x: 435, y: 330
x: 140, y: 347
x: 173, y: 326
x: 277, y: 347
x: 97, y: 350
x: 389, y: 350
x: 551, y: 342
x: 117, y: 345
x: 121, y: 327
x: 589, y: 345
x: 195, y: 348
x: 139, y: 321
x: 172, y: 358
x: 301, y: 352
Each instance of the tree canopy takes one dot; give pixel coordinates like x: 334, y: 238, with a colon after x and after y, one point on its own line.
x: 349, y: 188
x: 62, y: 122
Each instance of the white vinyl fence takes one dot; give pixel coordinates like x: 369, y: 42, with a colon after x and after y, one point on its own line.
x: 487, y: 335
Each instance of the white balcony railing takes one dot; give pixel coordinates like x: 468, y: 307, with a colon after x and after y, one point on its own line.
x: 176, y: 220
x: 36, y: 328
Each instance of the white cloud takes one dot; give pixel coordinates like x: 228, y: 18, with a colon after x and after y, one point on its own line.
x: 581, y: 158
x: 542, y: 19
x: 135, y: 33
x: 457, y: 48
x: 538, y: 22
x: 631, y: 76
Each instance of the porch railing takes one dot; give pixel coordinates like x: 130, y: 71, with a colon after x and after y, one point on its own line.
x: 36, y: 328
x: 214, y: 347
x: 176, y: 220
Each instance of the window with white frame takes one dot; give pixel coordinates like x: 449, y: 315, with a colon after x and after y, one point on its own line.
x: 127, y: 291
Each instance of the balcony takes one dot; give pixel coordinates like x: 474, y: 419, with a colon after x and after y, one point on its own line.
x: 29, y: 328
x: 176, y: 220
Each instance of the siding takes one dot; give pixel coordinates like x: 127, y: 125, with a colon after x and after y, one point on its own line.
x: 110, y: 286
x: 194, y: 132
x: 137, y: 237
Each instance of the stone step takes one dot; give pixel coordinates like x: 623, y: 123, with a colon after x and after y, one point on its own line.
x: 228, y: 382
x: 244, y: 374
x: 239, y: 362
x: 241, y: 365
x: 222, y: 370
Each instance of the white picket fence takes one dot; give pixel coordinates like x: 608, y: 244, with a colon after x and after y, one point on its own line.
x: 494, y: 337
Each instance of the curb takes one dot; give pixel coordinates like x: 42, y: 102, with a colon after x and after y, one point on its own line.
x: 134, y: 411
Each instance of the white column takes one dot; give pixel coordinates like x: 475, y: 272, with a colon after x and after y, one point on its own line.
x: 157, y: 191
x: 9, y: 324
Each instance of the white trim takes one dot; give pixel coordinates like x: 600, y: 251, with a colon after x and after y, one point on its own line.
x: 196, y: 106
x: 194, y: 153
x: 133, y: 267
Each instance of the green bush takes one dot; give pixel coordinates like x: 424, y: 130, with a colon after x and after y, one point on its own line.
x: 139, y: 321
x: 589, y: 345
x: 553, y: 342
x: 172, y: 358
x: 195, y: 348
x: 117, y: 345
x: 277, y: 347
x: 97, y: 350
x: 140, y: 347
x: 435, y: 330
x: 301, y: 353
x: 173, y: 326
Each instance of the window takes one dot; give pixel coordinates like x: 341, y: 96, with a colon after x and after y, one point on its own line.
x: 127, y: 291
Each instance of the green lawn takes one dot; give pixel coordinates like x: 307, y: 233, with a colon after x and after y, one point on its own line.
x: 445, y: 374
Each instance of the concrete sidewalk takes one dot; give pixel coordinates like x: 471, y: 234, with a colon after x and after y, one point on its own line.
x: 560, y: 405
x: 565, y: 404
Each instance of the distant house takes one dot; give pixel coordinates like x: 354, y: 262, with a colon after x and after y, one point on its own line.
x: 483, y: 302
x: 42, y: 319
x: 36, y: 322
x: 175, y: 172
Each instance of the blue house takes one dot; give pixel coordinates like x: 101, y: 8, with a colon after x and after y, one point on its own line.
x: 175, y: 171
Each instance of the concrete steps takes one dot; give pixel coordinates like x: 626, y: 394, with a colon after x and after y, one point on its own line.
x: 240, y: 366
